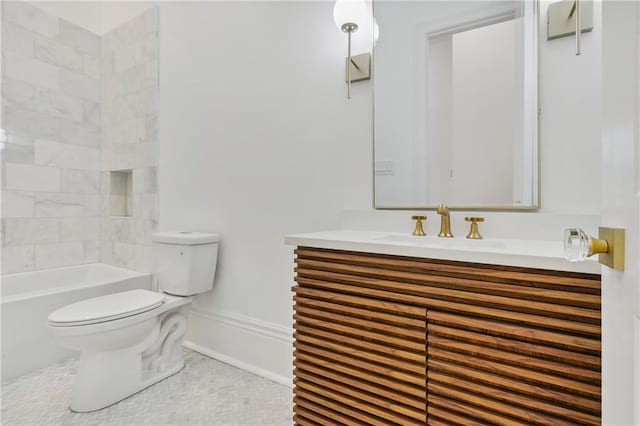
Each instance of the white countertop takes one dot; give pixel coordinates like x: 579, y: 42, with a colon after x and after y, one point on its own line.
x: 525, y: 253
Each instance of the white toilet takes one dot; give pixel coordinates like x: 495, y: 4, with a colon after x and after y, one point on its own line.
x: 133, y: 339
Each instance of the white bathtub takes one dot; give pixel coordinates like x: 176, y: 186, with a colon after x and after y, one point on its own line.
x: 28, y: 298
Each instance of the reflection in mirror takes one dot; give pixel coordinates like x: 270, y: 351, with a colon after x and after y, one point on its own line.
x: 456, y: 104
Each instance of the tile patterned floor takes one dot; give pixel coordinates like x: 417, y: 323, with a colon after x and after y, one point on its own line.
x: 205, y: 392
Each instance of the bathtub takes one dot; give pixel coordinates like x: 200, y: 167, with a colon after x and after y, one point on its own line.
x: 28, y: 298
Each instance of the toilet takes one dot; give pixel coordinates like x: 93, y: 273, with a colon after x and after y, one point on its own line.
x: 130, y: 340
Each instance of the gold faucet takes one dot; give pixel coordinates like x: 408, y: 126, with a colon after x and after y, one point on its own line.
x: 445, y: 221
x: 419, y: 231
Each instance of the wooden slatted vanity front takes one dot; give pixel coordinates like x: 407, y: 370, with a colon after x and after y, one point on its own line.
x: 383, y: 339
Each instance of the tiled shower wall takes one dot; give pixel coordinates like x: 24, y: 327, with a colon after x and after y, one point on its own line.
x: 50, y: 101
x: 76, y: 106
x: 129, y: 93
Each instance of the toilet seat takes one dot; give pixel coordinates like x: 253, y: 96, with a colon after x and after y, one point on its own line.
x: 106, y: 308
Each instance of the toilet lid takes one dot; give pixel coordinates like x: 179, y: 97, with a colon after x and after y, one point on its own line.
x: 106, y: 308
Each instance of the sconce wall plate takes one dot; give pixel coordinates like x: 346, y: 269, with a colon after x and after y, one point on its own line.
x: 561, y: 19
x: 360, y: 67
x: 614, y: 258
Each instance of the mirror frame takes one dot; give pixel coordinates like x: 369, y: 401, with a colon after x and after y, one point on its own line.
x: 534, y: 11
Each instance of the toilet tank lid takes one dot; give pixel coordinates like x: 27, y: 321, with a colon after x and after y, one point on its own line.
x: 185, y: 237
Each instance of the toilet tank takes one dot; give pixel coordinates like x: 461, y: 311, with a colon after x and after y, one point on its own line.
x: 185, y: 262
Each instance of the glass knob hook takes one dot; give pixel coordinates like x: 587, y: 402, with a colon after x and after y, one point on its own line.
x: 578, y: 245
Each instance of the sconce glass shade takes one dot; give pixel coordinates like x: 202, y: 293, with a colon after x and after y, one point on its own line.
x: 349, y: 12
x: 376, y: 31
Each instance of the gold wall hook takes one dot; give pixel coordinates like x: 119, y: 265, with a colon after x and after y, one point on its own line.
x: 474, y: 233
x: 419, y: 231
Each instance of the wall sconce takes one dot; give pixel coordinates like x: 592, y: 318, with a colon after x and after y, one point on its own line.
x: 349, y: 16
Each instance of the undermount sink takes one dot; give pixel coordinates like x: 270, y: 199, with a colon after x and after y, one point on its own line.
x: 445, y: 243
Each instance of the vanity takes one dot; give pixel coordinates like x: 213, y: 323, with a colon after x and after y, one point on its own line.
x: 396, y: 329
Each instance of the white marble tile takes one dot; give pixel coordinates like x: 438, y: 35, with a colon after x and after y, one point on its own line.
x: 31, y: 17
x: 118, y: 205
x: 91, y: 66
x: 49, y: 153
x: 31, y: 71
x: 17, y: 39
x: 58, y: 54
x: 137, y: 28
x: 145, y: 180
x: 31, y: 231
x: 59, y: 104
x: 59, y: 205
x: 79, y: 134
x: 32, y: 123
x: 117, y: 229
x: 135, y: 130
x: 79, y: 229
x: 206, y: 392
x: 91, y: 251
x: 79, y: 38
x: 92, y: 113
x: 13, y: 153
x: 143, y: 228
x: 136, y: 53
x: 18, y: 94
x: 85, y: 181
x: 17, y: 204
x: 18, y: 259
x: 143, y: 258
x: 60, y: 254
x: 31, y: 178
x: 91, y: 205
x: 80, y: 85
x: 124, y: 255
x: 145, y: 206
x: 128, y: 156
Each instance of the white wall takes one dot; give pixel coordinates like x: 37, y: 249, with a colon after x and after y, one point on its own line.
x: 257, y: 141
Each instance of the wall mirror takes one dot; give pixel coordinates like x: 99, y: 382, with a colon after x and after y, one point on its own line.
x: 456, y: 110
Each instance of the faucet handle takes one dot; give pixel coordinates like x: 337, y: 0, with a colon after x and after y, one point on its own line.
x: 419, y: 231
x: 474, y: 233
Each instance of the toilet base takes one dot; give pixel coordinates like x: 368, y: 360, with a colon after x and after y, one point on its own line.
x: 83, y: 407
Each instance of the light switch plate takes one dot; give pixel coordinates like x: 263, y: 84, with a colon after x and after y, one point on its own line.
x: 560, y: 24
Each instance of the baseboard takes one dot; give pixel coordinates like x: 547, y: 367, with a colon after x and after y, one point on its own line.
x: 253, y: 345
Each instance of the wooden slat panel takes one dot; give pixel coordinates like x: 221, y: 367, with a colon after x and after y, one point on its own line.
x: 312, y: 332
x: 470, y: 308
x: 345, y: 350
x: 349, y: 352
x: 438, y: 417
x: 391, y: 340
x: 349, y: 406
x: 381, y: 316
x: 466, y: 295
x: 518, y: 346
x: 531, y: 334
x: 320, y: 366
x: 311, y: 353
x: 505, y: 345
x: 305, y: 406
x: 303, y: 311
x: 472, y: 375
x: 381, y: 401
x: 517, y: 373
x: 489, y: 403
x: 360, y: 383
x: 515, y: 275
x: 480, y: 414
x: 366, y: 301
x: 527, y: 402
x: 530, y: 362
x: 367, y: 274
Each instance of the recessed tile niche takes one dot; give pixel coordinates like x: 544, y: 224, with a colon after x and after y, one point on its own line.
x: 121, y: 193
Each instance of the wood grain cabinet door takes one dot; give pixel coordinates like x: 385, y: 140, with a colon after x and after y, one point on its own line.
x: 385, y: 339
